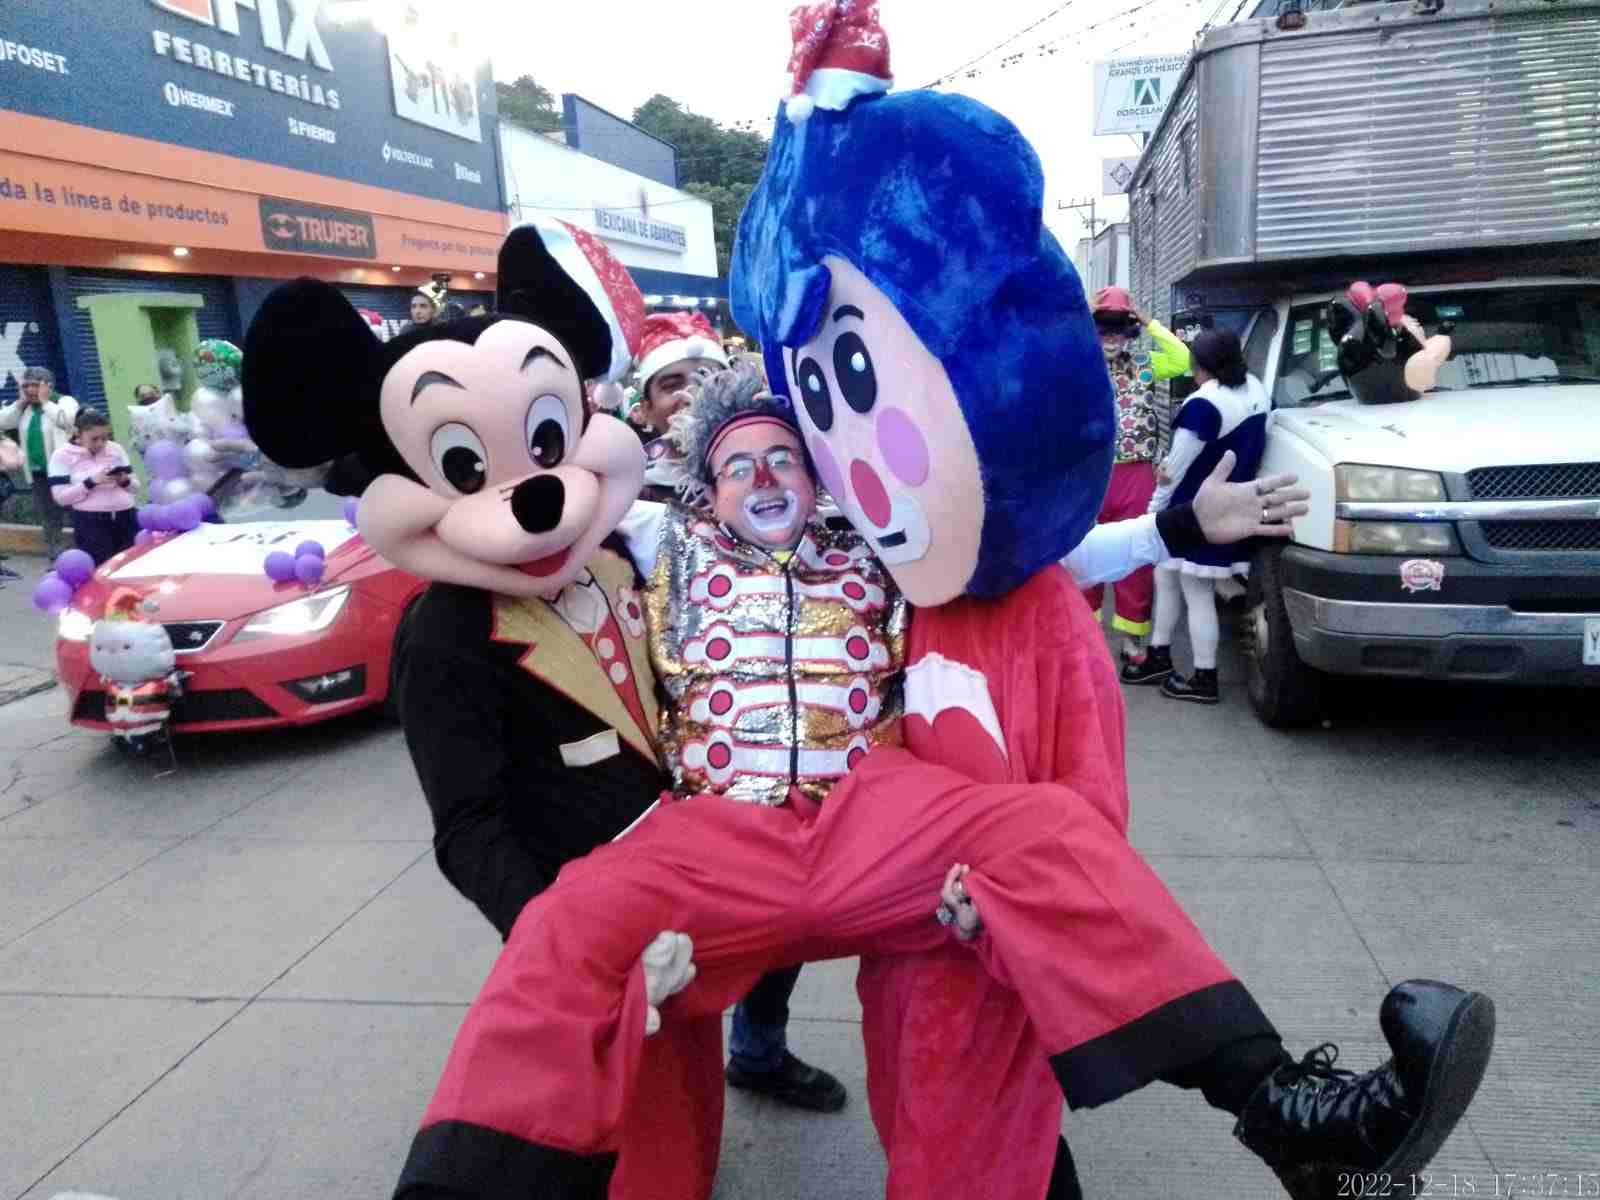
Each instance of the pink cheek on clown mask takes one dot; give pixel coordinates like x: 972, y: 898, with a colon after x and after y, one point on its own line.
x: 902, y: 446
x: 870, y: 493
x: 827, y: 468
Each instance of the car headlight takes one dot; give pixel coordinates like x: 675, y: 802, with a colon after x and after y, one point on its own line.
x: 74, y: 626
x: 1352, y: 481
x: 309, y: 614
x: 1394, y: 537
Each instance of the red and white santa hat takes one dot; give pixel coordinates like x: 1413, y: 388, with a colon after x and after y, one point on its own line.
x: 840, y: 52
x: 672, y: 337
x: 586, y: 260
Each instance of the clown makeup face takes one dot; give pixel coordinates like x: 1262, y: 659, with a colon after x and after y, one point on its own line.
x: 514, y: 476
x: 762, y: 489
x: 1114, y: 339
x: 880, y: 417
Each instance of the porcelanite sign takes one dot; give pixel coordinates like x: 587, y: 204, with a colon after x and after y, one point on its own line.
x: 1130, y: 94
x: 277, y: 81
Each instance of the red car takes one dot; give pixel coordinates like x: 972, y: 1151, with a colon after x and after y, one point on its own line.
x: 258, y: 654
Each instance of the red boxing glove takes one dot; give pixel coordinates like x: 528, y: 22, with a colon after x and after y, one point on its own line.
x: 1360, y: 295
x: 1393, y: 298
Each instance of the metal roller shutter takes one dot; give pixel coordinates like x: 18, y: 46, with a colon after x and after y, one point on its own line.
x: 218, y: 319
x: 27, y: 329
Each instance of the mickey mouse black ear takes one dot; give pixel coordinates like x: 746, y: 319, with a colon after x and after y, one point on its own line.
x: 311, y: 375
x: 565, y: 280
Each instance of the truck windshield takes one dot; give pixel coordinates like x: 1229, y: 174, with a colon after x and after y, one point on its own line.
x: 1500, y: 337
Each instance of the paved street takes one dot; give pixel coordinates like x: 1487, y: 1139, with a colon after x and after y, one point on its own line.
x: 241, y: 980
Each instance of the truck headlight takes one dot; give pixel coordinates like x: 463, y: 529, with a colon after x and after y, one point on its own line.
x: 1394, y: 537
x: 73, y: 626
x: 1353, y: 481
x: 309, y: 614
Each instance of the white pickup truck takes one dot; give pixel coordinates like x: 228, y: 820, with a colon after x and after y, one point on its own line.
x: 1452, y: 537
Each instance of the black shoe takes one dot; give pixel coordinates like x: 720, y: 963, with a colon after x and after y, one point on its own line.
x: 1155, y: 666
x: 792, y: 1082
x: 1201, y: 687
x: 6, y: 572
x: 1316, y: 1125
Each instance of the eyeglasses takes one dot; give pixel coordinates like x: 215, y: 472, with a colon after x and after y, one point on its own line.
x: 741, y: 468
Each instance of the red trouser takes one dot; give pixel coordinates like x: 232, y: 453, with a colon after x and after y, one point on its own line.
x: 551, y: 1052
x: 671, y: 1136
x: 1132, y: 485
x: 961, y: 1090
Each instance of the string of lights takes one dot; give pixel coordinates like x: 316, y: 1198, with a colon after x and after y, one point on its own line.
x: 1000, y: 45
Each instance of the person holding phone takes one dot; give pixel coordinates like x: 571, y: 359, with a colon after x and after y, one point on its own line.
x: 92, y: 477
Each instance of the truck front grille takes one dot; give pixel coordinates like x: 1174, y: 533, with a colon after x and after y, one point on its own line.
x: 1545, y: 481
x: 1542, y: 535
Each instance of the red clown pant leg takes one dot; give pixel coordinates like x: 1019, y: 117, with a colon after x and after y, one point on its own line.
x: 1132, y: 485
x: 960, y: 1087
x: 672, y: 1132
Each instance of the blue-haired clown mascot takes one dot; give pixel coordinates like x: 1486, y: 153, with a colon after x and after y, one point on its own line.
x: 937, y: 346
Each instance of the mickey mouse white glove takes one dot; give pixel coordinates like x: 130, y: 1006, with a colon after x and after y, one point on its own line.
x: 668, y: 969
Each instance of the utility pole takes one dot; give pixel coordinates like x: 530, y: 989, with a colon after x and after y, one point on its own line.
x: 1091, y: 220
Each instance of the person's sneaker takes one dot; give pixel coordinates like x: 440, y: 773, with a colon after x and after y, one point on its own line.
x: 792, y: 1082
x: 1151, y: 668
x: 1318, y: 1126
x: 1200, y: 688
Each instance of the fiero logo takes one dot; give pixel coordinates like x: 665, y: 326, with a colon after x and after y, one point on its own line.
x: 303, y: 38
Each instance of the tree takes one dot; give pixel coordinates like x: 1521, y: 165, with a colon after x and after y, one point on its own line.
x: 717, y: 164
x: 529, y: 105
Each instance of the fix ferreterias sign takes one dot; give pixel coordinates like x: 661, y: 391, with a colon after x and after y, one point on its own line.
x: 1130, y: 94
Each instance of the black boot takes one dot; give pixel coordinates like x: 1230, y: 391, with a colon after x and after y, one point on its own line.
x: 793, y: 1082
x: 1201, y: 687
x: 1155, y: 666
x: 1316, y: 1125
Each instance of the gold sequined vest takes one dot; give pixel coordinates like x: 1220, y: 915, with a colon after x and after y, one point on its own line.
x: 780, y: 669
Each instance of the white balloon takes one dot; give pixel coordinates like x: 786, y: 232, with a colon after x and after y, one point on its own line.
x: 199, y: 451
x: 168, y: 491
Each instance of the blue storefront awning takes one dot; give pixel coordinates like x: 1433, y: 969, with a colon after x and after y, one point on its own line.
x: 673, y: 283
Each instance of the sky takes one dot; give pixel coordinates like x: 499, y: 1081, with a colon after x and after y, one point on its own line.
x: 728, y: 61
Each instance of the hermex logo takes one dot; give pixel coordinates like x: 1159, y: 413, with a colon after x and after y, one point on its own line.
x: 302, y: 40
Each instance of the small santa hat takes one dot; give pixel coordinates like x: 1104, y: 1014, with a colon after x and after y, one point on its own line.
x: 550, y: 270
x: 840, y: 52
x: 671, y: 337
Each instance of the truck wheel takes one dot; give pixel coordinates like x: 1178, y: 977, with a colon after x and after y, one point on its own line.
x: 1283, y: 690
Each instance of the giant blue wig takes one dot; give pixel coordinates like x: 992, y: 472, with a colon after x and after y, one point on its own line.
x: 938, y: 201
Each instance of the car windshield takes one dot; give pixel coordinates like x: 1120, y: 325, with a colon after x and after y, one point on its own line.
x: 243, y: 500
x: 1500, y: 337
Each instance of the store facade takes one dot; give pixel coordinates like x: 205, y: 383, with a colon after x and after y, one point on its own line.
x: 593, y: 177
x: 187, y: 155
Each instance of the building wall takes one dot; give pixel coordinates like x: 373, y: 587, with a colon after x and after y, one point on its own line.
x: 543, y: 178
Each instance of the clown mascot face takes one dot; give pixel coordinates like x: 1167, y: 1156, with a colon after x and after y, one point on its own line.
x: 894, y: 265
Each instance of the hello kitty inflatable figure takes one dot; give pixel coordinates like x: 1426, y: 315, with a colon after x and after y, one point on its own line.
x: 134, y: 657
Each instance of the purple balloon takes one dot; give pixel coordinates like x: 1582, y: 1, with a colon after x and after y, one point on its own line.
x: 76, y: 567
x: 146, y: 517
x: 204, y: 505
x: 308, y: 569
x: 312, y: 548
x: 160, y: 518
x: 279, y: 566
x: 52, y: 594
x: 183, y: 517
x: 164, y: 460
x: 350, y: 504
x: 143, y: 538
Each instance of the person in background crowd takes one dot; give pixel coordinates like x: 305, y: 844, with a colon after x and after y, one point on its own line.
x: 92, y: 476
x: 155, y: 418
x: 43, y: 423
x: 1228, y: 411
x: 1134, y: 374
x: 671, y: 348
x: 10, y: 463
x: 426, y: 304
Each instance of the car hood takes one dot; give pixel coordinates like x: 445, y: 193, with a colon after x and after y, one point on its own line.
x: 1456, y: 431
x: 216, y: 572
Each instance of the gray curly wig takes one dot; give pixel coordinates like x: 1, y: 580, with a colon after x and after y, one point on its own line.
x: 735, y: 392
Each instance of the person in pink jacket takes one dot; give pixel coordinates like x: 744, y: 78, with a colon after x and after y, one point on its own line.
x: 92, y: 477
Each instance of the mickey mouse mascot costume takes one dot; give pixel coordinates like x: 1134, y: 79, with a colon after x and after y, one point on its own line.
x: 894, y: 265
x: 531, y: 721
